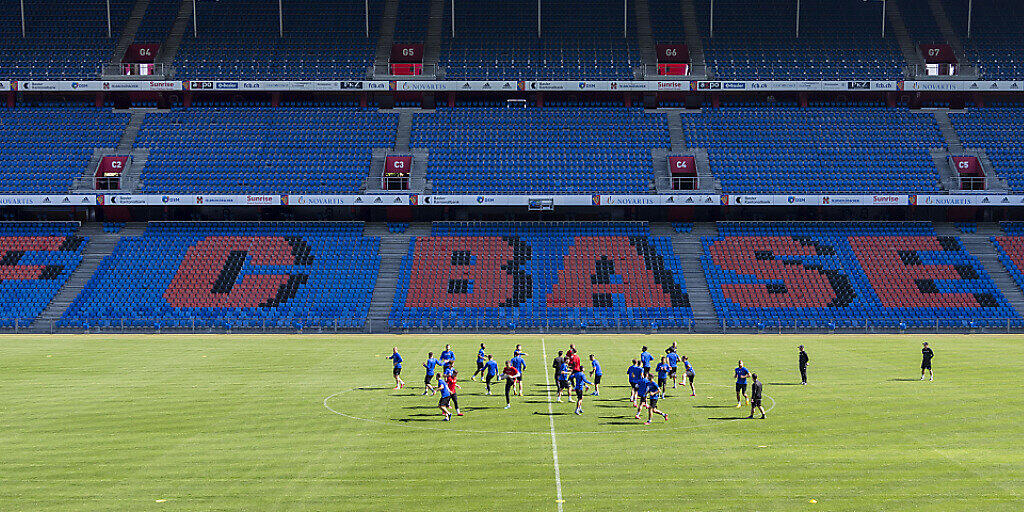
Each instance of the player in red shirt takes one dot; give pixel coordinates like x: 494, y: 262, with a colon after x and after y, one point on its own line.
x: 574, y: 361
x: 510, y: 374
x: 451, y: 380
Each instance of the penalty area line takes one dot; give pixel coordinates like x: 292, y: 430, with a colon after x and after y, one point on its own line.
x: 551, y: 423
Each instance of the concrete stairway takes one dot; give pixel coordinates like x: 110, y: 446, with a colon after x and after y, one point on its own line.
x: 694, y: 41
x: 645, y: 38
x: 435, y: 25
x: 131, y: 28
x: 946, y: 29
x: 393, y: 247
x: 100, y: 246
x: 993, y: 182
x: 980, y: 246
x: 896, y: 26
x: 169, y: 49
x: 687, y: 247
x: 386, y: 37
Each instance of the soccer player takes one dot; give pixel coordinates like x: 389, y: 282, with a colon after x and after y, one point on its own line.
x: 510, y: 374
x: 641, y: 394
x: 580, y: 384
x: 595, y: 372
x: 663, y: 370
x: 741, y: 374
x: 556, y: 364
x: 446, y: 398
x: 431, y: 363
x: 926, y: 361
x: 574, y: 360
x: 652, y: 393
x: 689, y: 374
x: 673, y: 348
x: 562, y: 381
x: 755, y: 396
x: 396, y: 358
x: 645, y: 360
x: 633, y: 373
x: 492, y: 371
x: 673, y: 363
x: 803, y: 365
x: 520, y: 365
x: 481, y: 360
x: 447, y: 355
x: 451, y: 376
x: 519, y: 351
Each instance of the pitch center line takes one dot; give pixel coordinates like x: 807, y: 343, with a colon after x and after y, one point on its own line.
x: 551, y: 423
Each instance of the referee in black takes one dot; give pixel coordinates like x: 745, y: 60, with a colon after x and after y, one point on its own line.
x: 803, y: 365
x: 926, y: 361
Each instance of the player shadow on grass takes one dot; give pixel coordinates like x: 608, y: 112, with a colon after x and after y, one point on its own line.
x: 730, y: 418
x: 538, y: 413
x: 783, y: 383
x: 904, y: 380
x: 372, y: 388
x: 714, y: 407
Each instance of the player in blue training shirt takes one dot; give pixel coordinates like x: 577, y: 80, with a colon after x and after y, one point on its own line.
x: 741, y: 383
x: 446, y: 398
x: 689, y: 375
x: 645, y: 361
x: 492, y: 371
x: 673, y: 363
x: 641, y: 395
x: 519, y: 364
x: 580, y: 384
x: 663, y: 369
x: 396, y: 358
x: 653, y: 395
x: 562, y: 381
x: 596, y: 374
x: 634, y: 372
x: 431, y: 363
x: 447, y: 355
x: 481, y: 360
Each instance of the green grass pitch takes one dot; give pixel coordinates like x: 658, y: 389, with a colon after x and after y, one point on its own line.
x: 200, y: 423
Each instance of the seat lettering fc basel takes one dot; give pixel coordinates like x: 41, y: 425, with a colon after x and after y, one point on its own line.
x: 540, y: 275
x: 234, y: 274
x: 36, y: 259
x: 820, y: 273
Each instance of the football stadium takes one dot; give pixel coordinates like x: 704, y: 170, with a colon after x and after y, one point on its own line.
x: 256, y: 255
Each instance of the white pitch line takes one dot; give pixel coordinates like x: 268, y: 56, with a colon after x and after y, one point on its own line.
x: 551, y: 422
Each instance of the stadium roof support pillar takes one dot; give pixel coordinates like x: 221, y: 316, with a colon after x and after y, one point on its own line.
x: 883, y: 18
x: 625, y: 16
x: 538, y: 18
x: 195, y: 19
x: 798, y: 19
x: 22, y: 18
x: 366, y: 16
x: 280, y: 18
x: 453, y: 18
x: 970, y: 14
x: 108, y: 20
x: 711, y: 21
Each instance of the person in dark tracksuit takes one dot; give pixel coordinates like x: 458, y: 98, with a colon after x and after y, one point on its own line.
x: 803, y: 365
x: 926, y: 361
x: 756, y: 389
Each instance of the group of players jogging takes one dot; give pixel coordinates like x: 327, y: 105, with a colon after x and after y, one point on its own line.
x: 645, y: 390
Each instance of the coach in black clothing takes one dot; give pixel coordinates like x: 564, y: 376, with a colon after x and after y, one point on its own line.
x: 557, y: 363
x: 926, y: 361
x: 755, y: 396
x: 803, y: 365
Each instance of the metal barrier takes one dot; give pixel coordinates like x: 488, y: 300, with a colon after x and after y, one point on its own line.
x: 514, y: 324
x: 133, y: 71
